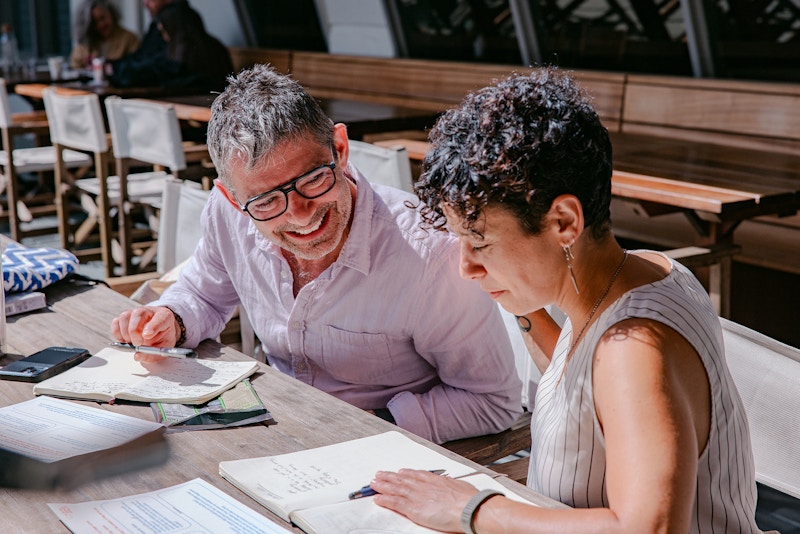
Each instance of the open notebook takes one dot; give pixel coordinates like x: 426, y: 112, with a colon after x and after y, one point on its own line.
x: 114, y: 374
x: 310, y: 488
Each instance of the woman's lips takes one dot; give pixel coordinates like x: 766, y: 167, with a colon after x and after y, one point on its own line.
x: 495, y: 294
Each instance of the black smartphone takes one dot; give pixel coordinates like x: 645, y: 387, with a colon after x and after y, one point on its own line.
x: 44, y: 364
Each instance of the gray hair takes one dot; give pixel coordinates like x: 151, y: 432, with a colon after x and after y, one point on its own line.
x: 84, y: 30
x: 259, y: 109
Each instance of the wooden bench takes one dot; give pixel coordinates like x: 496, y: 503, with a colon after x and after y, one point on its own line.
x: 427, y: 84
x: 668, y: 194
x: 494, y: 450
x: 742, y: 132
x: 242, y: 57
x: 726, y: 134
x: 430, y: 84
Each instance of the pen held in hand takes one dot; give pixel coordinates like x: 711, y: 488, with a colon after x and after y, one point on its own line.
x: 367, y: 491
x: 171, y: 352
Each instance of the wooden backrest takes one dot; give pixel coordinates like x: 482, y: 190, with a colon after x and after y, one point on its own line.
x: 430, y: 84
x: 247, y: 57
x: 757, y: 115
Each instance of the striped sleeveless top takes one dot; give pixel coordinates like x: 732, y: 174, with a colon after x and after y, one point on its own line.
x: 568, y: 461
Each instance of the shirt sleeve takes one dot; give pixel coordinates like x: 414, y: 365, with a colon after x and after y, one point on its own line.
x: 203, y: 295
x: 460, y: 331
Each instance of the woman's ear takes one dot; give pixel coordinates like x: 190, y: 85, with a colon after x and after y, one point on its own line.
x: 566, y: 213
x: 228, y: 194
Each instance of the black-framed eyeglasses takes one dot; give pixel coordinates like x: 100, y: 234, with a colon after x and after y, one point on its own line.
x: 275, y: 202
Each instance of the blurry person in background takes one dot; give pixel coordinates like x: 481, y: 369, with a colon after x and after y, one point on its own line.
x: 186, y: 56
x: 99, y: 34
x: 194, y: 56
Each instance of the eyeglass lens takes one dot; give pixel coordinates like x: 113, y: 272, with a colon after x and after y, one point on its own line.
x: 274, y: 203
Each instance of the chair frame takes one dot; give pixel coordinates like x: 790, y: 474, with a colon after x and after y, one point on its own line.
x: 126, y: 153
x: 12, y: 125
x: 100, y: 150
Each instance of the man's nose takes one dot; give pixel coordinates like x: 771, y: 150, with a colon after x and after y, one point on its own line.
x: 298, y: 208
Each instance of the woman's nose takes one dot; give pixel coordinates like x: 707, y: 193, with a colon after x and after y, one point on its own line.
x: 468, y: 267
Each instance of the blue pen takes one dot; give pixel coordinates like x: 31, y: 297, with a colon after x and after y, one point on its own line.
x: 367, y: 491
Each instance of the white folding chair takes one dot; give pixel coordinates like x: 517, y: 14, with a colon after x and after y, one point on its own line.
x: 383, y: 165
x: 142, y: 132
x: 76, y: 122
x: 767, y: 375
x: 179, y: 228
x: 38, y: 159
x: 179, y: 231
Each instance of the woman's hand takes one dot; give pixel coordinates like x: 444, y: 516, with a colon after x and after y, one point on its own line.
x: 434, y: 501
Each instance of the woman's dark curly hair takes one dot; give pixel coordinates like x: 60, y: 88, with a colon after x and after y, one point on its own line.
x: 519, y: 143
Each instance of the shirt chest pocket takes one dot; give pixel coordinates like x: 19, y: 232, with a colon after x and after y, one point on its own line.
x: 356, y: 357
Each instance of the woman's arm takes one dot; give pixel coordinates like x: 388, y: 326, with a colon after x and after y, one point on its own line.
x: 652, y: 397
x: 653, y: 402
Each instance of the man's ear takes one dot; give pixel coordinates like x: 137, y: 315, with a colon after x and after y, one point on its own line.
x: 232, y: 199
x: 341, y: 143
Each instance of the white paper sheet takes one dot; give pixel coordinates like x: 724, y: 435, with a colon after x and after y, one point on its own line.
x: 195, y: 506
x: 52, y: 429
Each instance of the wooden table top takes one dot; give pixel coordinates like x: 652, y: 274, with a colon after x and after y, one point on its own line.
x: 35, y: 90
x: 720, y: 183
x: 306, y: 417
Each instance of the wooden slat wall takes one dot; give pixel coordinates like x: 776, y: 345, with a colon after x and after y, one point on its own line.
x: 428, y: 84
x: 247, y: 57
x: 759, y: 115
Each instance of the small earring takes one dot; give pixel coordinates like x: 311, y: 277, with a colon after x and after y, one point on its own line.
x: 570, y: 257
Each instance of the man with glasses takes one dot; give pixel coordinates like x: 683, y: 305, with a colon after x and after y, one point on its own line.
x: 343, y: 288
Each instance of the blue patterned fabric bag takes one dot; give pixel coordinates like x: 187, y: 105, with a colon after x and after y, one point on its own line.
x: 29, y: 269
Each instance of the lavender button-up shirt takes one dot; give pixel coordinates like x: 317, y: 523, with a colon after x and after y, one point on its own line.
x: 389, y: 324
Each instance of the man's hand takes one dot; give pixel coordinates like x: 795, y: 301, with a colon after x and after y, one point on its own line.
x: 154, y: 326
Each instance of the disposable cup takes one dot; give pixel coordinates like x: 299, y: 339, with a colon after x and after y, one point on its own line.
x: 56, y: 65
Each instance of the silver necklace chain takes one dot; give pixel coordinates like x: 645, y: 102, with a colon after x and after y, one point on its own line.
x: 599, y: 301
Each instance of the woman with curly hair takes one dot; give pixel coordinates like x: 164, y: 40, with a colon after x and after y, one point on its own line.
x: 99, y: 34
x: 637, y: 423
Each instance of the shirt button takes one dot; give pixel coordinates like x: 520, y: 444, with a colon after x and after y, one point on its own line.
x: 295, y: 324
x: 284, y: 275
x: 301, y: 366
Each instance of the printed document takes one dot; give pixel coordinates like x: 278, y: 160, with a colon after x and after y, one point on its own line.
x: 195, y: 506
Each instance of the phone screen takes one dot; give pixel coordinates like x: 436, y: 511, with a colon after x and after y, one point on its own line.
x: 54, y: 355
x: 44, y: 364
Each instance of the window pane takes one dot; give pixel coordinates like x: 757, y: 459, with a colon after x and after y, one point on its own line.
x: 290, y: 25
x: 756, y: 40
x: 461, y: 30
x: 42, y: 27
x: 647, y: 36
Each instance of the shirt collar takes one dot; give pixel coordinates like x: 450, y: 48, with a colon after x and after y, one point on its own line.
x: 356, y: 251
